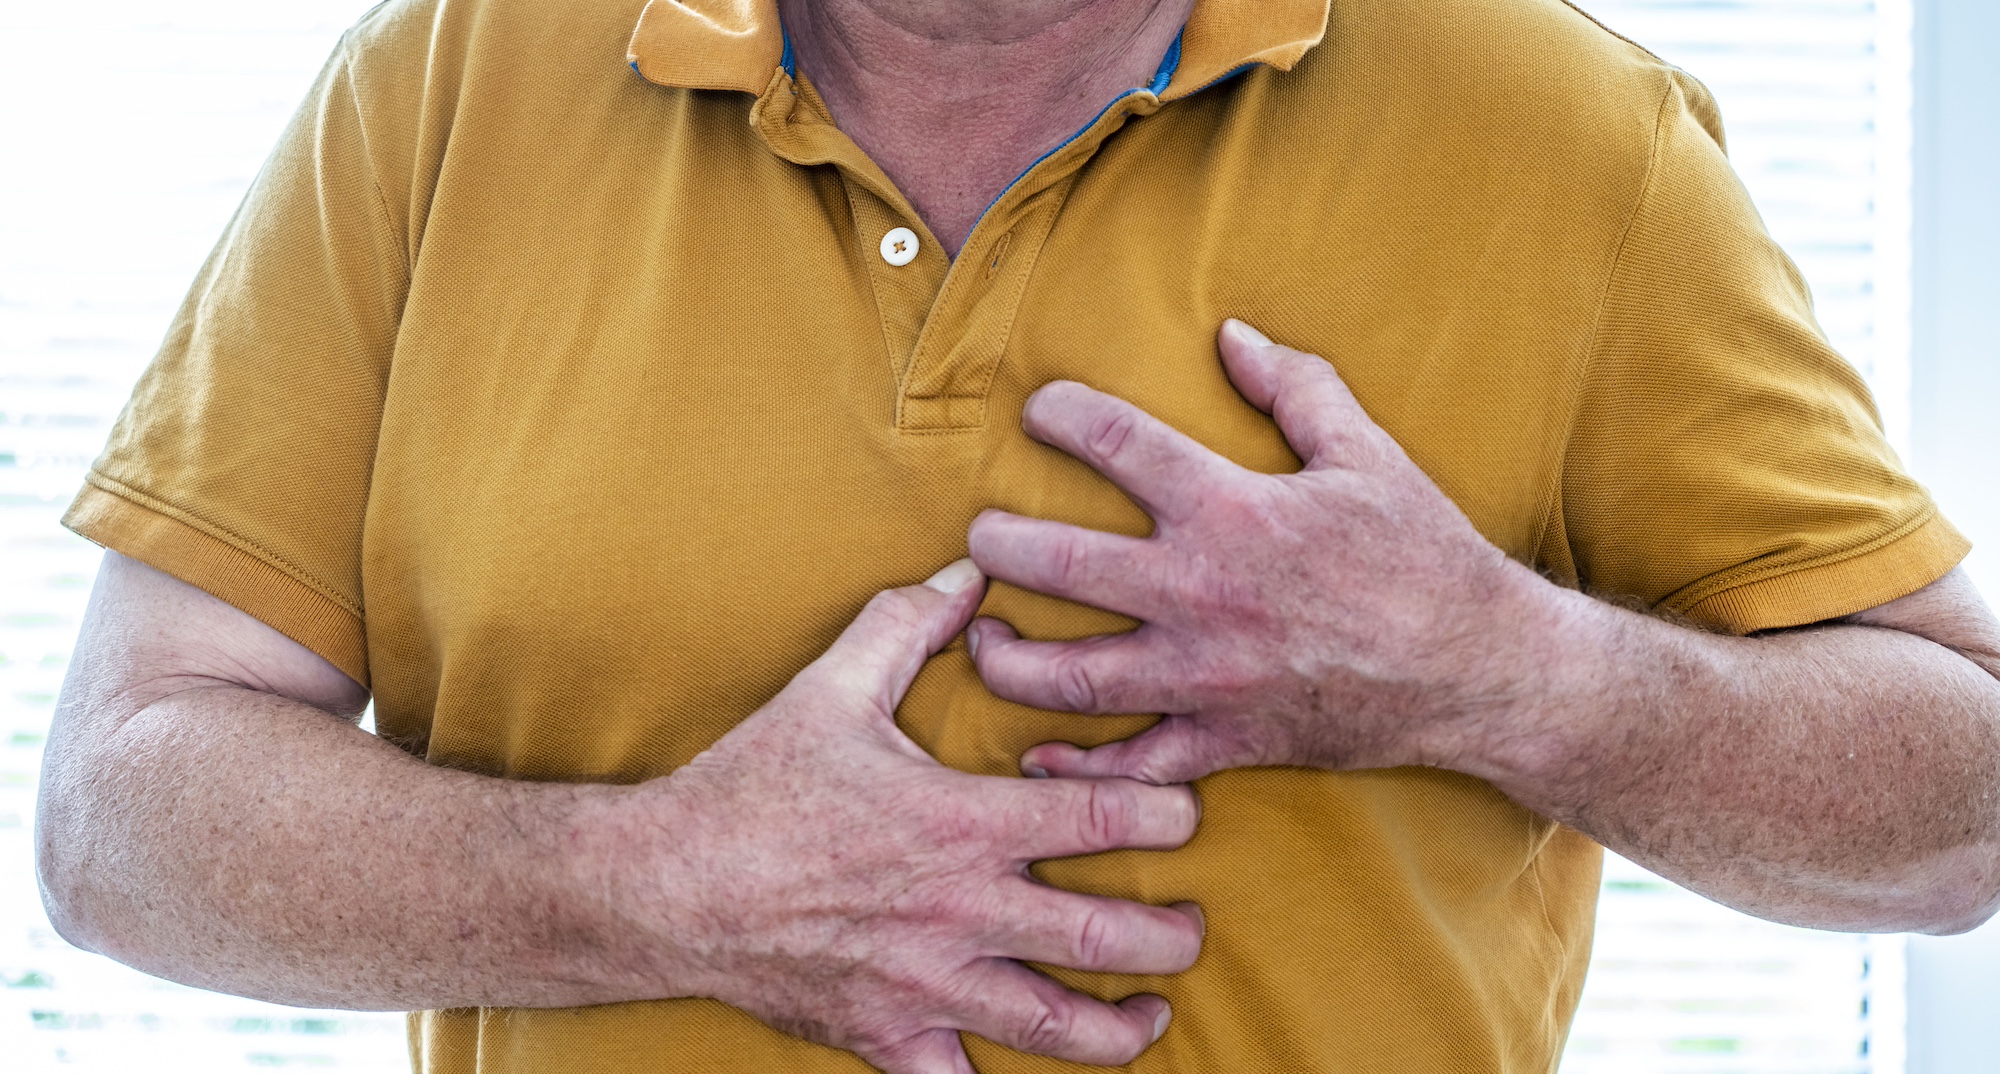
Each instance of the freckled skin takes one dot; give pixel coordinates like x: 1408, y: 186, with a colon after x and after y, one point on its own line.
x: 1349, y: 616
x: 814, y: 867
x: 887, y: 944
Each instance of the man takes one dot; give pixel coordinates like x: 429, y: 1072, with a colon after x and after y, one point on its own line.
x: 572, y: 416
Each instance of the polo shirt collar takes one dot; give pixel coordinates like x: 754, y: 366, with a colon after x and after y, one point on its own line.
x: 739, y: 45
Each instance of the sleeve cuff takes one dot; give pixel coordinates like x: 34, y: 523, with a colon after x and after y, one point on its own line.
x: 1830, y: 589
x: 170, y: 540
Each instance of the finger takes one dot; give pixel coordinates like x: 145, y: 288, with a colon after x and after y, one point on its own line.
x: 1104, y: 570
x: 1065, y: 817
x: 934, y: 1051
x: 1110, y: 673
x: 1160, y: 467
x: 1312, y: 405
x: 1016, y: 1007
x: 1173, y: 751
x: 880, y: 653
x: 1090, y: 932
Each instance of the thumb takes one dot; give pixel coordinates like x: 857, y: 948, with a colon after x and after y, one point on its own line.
x: 880, y: 653
x: 1172, y: 751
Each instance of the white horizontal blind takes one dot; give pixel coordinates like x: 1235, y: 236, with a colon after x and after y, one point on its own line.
x: 1815, y: 96
x: 1681, y: 985
x: 130, y: 130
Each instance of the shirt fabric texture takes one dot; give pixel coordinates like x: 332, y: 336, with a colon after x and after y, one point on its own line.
x: 574, y: 410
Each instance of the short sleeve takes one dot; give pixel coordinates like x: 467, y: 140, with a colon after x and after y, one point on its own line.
x: 1725, y: 464
x: 241, y: 464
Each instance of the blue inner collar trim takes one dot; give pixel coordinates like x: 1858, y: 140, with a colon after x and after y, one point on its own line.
x: 1169, y: 63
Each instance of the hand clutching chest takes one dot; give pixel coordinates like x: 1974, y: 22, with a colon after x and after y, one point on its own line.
x: 1836, y: 774
x: 840, y: 884
x: 1346, y: 616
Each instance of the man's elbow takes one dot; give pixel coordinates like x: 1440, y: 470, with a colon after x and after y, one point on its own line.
x: 62, y: 872
x: 77, y: 845
x: 1957, y: 893
x: 1960, y: 916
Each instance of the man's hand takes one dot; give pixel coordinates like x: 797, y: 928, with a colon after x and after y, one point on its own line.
x: 831, y: 878
x: 1349, y: 616
x: 1339, y: 617
x: 813, y: 867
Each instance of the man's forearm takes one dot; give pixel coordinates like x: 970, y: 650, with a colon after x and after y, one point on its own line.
x: 1838, y: 777
x: 813, y: 867
x: 257, y: 845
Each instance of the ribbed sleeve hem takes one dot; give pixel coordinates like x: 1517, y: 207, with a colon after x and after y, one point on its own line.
x: 156, y: 535
x: 1829, y: 590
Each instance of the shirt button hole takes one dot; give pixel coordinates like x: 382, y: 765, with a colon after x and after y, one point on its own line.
x: 999, y: 253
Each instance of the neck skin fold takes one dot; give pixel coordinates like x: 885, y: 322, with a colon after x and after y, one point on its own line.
x: 954, y: 100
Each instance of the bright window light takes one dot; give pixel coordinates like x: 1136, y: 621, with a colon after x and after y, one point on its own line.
x: 132, y: 130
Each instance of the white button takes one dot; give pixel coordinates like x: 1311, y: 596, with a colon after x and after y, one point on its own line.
x: 899, y: 246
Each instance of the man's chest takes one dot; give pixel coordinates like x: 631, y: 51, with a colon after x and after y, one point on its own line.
x: 696, y: 442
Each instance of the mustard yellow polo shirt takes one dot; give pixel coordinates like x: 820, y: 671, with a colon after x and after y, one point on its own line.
x: 574, y: 410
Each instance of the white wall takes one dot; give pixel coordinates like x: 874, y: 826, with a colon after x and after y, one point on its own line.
x: 1955, y: 430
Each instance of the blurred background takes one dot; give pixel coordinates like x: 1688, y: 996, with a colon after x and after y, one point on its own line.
x: 1868, y: 131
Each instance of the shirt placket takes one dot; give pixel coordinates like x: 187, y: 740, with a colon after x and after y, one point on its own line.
x: 945, y: 323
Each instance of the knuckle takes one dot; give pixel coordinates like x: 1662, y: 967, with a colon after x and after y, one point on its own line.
x: 1107, y: 814
x: 948, y: 822
x: 1046, y: 1027
x: 895, y: 608
x: 1208, y: 590
x: 1107, y: 434
x: 1093, y: 940
x: 1066, y: 561
x: 1075, y: 685
x: 896, y: 617
x: 1307, y: 368
x: 1161, y: 764
x: 1156, y: 770
x: 839, y: 681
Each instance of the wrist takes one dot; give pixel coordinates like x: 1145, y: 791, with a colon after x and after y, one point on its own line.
x: 620, y: 854
x: 1548, y: 664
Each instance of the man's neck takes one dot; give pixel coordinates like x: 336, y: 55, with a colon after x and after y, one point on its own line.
x: 954, y: 99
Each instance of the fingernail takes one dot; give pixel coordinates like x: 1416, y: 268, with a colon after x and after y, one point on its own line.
x: 1160, y: 1023
x: 1028, y: 409
x: 1248, y: 334
x: 955, y: 576
x: 972, y: 640
x: 1033, y: 771
x: 1193, y: 909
